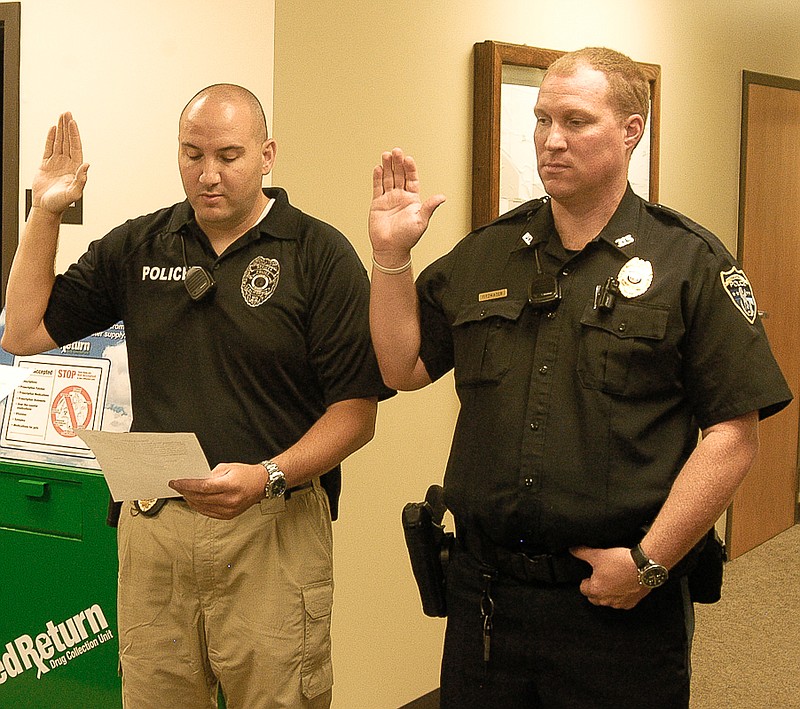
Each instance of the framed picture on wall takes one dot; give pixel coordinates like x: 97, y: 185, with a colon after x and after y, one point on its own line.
x: 504, y: 174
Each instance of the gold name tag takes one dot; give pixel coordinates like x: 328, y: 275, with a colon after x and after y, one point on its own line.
x: 493, y: 295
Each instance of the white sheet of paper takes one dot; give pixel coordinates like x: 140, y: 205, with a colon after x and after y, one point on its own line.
x: 138, y: 466
x: 11, y: 378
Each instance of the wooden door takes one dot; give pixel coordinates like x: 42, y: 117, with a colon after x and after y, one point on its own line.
x: 769, y: 250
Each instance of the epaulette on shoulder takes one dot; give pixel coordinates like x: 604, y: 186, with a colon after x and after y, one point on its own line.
x: 524, y: 210
x: 668, y: 214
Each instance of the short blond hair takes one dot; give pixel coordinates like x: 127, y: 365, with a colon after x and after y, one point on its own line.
x: 628, y: 88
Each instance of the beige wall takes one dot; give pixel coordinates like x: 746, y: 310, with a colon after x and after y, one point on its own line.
x: 126, y: 69
x: 355, y: 78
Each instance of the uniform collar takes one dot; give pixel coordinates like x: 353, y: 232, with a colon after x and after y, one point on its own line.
x: 624, y: 227
x: 620, y: 231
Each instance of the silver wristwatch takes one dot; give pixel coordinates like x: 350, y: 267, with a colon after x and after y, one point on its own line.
x: 276, y: 480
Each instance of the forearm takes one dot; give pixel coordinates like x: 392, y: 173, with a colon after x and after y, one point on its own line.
x: 395, y: 329
x: 30, y: 283
x: 345, y: 427
x: 703, y: 489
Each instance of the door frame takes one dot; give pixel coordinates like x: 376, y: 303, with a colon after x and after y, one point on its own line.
x: 9, y: 200
x: 750, y: 78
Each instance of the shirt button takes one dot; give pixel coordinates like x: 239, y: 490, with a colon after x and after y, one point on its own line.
x: 544, y: 369
x: 622, y: 327
x: 535, y: 425
x: 528, y: 482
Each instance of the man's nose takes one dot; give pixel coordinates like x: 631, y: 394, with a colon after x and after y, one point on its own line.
x: 210, y: 173
x: 555, y: 138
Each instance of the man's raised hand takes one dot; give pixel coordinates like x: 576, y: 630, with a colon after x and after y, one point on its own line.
x: 397, y: 216
x: 62, y: 175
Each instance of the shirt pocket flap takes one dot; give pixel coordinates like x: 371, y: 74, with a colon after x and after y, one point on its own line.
x: 629, y: 320
x: 476, y: 312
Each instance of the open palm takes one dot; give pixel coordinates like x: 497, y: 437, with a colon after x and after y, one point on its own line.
x: 62, y: 175
x: 397, y: 215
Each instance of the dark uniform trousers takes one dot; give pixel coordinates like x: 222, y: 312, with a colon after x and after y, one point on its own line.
x: 549, y: 647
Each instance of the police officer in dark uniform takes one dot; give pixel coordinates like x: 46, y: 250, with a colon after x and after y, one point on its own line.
x: 593, y: 336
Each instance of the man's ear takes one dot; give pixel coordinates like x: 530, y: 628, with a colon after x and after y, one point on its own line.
x: 634, y: 130
x: 268, y: 150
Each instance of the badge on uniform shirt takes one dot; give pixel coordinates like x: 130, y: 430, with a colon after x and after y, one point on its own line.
x: 635, y: 277
x: 740, y: 292
x: 626, y: 240
x: 260, y: 280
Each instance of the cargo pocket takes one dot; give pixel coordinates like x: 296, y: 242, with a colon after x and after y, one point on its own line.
x: 316, y: 673
x: 484, y: 335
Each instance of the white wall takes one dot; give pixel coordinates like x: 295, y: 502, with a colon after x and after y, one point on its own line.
x: 126, y: 69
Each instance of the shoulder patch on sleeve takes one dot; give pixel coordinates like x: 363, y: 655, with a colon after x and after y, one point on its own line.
x: 739, y: 290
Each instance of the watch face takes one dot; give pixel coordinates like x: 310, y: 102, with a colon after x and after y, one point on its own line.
x: 277, y: 486
x: 653, y: 576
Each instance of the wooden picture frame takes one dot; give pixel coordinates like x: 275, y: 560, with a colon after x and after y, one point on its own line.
x: 524, y: 65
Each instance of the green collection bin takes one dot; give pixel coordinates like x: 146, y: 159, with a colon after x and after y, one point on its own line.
x: 58, y: 574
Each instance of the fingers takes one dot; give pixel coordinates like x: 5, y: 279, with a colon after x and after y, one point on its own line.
x: 49, y: 143
x: 74, y: 144
x: 64, y: 140
x: 396, y: 171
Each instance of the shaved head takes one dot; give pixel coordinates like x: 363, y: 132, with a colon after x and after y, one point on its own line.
x: 231, y: 93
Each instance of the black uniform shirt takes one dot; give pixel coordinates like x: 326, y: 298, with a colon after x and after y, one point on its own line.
x: 254, y: 364
x: 574, y: 422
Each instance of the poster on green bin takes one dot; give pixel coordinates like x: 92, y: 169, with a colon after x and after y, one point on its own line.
x: 58, y: 565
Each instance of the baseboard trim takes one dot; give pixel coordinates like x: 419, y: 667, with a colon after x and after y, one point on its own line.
x: 428, y: 701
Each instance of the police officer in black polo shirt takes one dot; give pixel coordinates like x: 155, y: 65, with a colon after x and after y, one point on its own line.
x: 246, y: 324
x: 592, y: 336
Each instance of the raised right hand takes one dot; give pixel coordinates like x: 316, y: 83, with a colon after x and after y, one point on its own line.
x: 397, y: 216
x: 62, y: 175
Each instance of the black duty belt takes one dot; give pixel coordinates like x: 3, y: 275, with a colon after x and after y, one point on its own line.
x: 559, y: 568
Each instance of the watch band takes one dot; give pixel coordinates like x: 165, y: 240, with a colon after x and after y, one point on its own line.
x: 639, y: 557
x: 276, y: 480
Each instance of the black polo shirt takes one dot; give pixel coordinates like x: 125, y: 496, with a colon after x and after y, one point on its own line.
x: 253, y: 365
x: 574, y: 422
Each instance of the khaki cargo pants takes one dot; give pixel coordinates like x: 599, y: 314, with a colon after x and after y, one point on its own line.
x: 243, y: 602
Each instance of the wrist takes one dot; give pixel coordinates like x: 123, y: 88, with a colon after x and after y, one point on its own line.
x: 391, y: 262
x: 45, y: 213
x: 275, y: 484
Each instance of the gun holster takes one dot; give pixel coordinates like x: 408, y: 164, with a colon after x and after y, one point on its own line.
x: 429, y: 549
x: 705, y: 579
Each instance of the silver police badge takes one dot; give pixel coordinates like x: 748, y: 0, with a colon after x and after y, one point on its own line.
x: 260, y: 280
x: 635, y: 277
x: 738, y: 288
